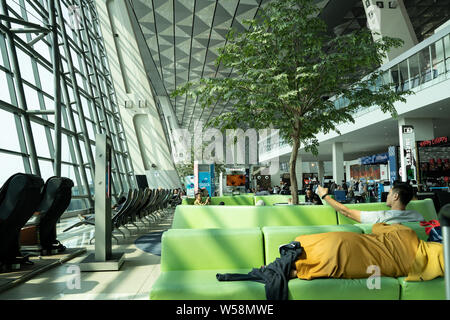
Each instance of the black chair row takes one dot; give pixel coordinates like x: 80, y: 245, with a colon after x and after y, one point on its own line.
x: 440, y: 198
x: 141, y: 205
x: 21, y: 197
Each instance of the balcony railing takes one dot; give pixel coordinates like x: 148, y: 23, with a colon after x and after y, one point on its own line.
x: 424, y: 65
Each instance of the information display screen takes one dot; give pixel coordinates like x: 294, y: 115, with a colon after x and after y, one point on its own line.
x: 235, y: 180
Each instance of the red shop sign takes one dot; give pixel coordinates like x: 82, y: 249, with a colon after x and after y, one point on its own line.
x: 436, y: 141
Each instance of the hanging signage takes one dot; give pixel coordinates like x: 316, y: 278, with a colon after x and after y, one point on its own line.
x: 189, y: 183
x: 206, y: 180
x: 409, y: 151
x: 392, y: 151
x: 433, y: 142
x: 378, y: 158
x: 212, y: 176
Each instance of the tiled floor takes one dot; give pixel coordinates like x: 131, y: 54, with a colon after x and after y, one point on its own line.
x: 133, y: 281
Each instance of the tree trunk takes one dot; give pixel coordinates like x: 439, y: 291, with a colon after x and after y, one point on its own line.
x: 292, y: 173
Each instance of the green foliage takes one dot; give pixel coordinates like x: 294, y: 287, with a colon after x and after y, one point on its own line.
x: 287, y: 67
x: 187, y: 169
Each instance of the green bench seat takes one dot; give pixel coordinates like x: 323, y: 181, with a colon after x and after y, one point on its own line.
x: 251, y: 216
x: 424, y: 207
x: 206, y: 240
x: 190, y: 260
x: 241, y: 200
x: 203, y: 285
x: 342, y: 289
x: 277, y: 198
x: 423, y: 290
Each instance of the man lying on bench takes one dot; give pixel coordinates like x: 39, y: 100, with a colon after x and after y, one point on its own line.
x: 390, y: 250
x: 393, y: 250
x: 397, y: 199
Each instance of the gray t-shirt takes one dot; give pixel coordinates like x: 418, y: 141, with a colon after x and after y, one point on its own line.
x: 391, y: 216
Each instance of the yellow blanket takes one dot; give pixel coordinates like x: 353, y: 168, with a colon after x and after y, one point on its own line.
x: 390, y: 248
x: 394, y: 249
x: 429, y: 262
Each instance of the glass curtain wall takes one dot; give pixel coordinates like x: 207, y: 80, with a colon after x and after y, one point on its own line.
x: 27, y: 92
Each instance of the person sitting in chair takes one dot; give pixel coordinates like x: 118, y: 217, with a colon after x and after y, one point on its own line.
x: 397, y: 199
x: 199, y: 201
x: 119, y: 204
x: 312, y: 197
x: 205, y: 194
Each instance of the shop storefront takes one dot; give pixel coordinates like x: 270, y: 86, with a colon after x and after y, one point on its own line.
x: 371, y: 168
x: 434, y: 163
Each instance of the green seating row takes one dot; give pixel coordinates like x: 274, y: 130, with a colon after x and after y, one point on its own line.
x: 240, y: 200
x: 191, y: 258
x: 198, y: 217
x: 246, y: 200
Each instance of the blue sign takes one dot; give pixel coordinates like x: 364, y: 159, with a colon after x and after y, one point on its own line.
x: 189, y: 183
x: 206, y: 180
x: 392, y: 164
x: 211, y: 172
x: 378, y: 158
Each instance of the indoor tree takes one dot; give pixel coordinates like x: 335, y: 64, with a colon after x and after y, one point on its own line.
x: 286, y: 69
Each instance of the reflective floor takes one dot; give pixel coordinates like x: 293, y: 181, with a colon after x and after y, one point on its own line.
x: 133, y: 281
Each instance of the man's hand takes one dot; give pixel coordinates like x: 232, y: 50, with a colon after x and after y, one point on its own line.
x: 321, y: 191
x: 351, y: 213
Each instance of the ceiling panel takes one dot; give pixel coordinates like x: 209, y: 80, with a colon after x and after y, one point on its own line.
x: 184, y: 37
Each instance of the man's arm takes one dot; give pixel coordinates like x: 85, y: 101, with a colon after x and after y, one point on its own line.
x: 339, y: 207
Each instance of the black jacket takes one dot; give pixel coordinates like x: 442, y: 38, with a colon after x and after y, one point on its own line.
x: 275, y: 275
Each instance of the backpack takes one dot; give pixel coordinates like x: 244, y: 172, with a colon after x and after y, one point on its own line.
x: 433, y: 230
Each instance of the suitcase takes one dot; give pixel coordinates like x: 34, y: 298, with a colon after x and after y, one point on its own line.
x: 29, y: 236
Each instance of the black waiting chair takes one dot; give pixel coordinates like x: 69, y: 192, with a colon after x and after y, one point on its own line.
x: 443, y: 198
x: 19, y: 199
x: 57, y: 195
x: 116, y: 219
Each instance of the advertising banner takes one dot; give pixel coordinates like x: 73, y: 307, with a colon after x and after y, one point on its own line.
x: 204, y: 181
x: 378, y: 158
x: 190, y: 185
x: 212, y: 178
x: 393, y: 164
x: 408, y: 154
x: 247, y: 179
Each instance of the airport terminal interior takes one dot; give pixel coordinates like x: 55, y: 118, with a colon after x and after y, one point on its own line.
x: 115, y: 187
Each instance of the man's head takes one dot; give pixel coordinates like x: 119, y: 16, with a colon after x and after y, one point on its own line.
x: 309, y: 192
x: 400, y: 194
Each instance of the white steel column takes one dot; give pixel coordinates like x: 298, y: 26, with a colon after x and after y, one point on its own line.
x: 423, y: 130
x: 390, y: 18
x: 275, y: 178
x: 320, y: 171
x: 338, y: 162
